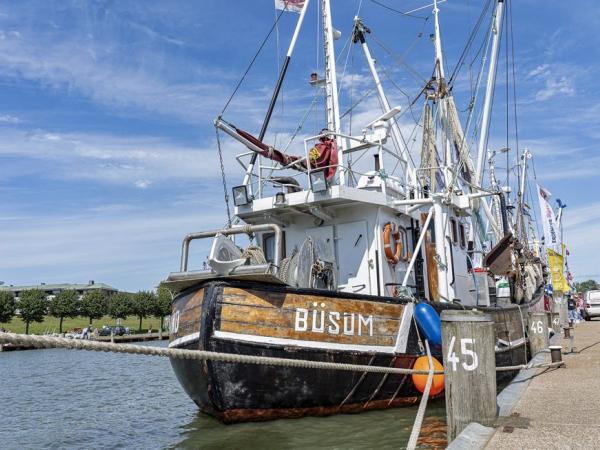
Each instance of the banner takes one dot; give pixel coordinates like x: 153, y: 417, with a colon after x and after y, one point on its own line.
x: 556, y: 266
x: 290, y: 5
x: 551, y: 227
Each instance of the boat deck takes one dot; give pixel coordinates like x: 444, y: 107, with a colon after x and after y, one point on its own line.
x: 561, y: 407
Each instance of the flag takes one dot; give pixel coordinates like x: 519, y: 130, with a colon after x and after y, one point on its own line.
x: 556, y: 266
x: 290, y: 5
x: 551, y: 227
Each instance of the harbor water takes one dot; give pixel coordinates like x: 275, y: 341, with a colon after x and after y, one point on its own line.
x: 55, y: 399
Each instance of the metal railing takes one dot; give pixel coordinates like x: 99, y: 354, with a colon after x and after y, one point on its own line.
x: 247, y: 229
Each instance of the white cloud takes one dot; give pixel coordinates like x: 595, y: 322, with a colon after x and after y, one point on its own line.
x: 137, y: 161
x: 91, y: 61
x: 581, y: 238
x: 556, y: 86
x: 143, y: 184
x: 132, y: 248
x: 7, y: 118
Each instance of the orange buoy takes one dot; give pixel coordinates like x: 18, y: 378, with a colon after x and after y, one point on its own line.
x: 420, y: 380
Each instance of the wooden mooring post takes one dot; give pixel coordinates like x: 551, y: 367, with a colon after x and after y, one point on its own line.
x: 554, y: 321
x: 538, y: 332
x: 468, y: 345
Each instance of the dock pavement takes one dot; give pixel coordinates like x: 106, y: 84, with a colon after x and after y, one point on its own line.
x: 560, y: 409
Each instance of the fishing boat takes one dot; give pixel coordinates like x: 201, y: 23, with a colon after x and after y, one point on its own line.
x: 355, y: 244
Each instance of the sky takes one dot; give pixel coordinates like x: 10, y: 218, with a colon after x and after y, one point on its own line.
x: 108, y: 153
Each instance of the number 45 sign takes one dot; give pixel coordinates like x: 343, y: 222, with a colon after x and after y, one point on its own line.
x: 470, y: 359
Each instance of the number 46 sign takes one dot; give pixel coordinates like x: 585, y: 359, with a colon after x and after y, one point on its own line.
x: 470, y: 361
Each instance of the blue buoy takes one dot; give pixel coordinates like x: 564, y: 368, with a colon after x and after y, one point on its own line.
x: 429, y: 323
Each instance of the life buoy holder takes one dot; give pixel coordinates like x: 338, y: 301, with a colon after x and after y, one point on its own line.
x: 395, y: 243
x: 391, y: 238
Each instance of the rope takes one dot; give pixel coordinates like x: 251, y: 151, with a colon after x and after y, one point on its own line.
x: 201, y: 355
x: 255, y: 254
x: 529, y: 366
x: 223, y: 178
x: 416, y: 430
x: 252, y: 62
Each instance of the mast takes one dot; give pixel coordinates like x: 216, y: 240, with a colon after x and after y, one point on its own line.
x: 278, y: 85
x: 442, y: 95
x: 438, y: 43
x: 359, y: 36
x: 331, y: 90
x: 489, y: 91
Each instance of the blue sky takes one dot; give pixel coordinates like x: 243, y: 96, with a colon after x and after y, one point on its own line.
x: 107, y: 150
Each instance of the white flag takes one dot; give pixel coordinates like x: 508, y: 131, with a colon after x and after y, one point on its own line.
x: 551, y: 227
x: 290, y: 5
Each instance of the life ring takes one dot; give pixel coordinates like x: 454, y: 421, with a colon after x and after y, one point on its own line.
x: 391, y: 233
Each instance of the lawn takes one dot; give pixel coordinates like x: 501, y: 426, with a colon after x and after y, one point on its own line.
x: 50, y: 324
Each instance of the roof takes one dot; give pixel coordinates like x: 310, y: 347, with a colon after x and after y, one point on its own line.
x: 60, y: 287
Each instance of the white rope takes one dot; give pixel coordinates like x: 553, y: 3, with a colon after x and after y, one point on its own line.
x: 79, y: 344
x: 416, y: 430
x: 202, y: 355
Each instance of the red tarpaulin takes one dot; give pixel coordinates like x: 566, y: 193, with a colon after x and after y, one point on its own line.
x: 323, y: 154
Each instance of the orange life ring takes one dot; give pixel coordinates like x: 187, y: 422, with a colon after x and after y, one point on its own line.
x: 390, y: 232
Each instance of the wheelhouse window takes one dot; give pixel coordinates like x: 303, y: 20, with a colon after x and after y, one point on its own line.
x: 268, y: 246
x: 462, y: 237
x: 453, y: 230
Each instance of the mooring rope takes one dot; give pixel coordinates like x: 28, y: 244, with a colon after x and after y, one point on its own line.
x: 202, y: 355
x: 416, y: 430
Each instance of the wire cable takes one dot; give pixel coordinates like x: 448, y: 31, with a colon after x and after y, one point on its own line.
x: 252, y: 62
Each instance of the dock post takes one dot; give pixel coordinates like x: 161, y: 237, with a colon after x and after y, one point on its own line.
x: 554, y: 321
x: 564, y: 312
x: 538, y: 333
x: 468, y: 345
x: 112, y: 337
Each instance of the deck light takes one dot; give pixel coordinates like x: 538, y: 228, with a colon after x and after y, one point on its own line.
x: 318, y: 182
x: 279, y: 199
x: 240, y: 196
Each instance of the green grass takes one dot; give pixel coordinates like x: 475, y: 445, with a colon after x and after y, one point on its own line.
x: 50, y: 324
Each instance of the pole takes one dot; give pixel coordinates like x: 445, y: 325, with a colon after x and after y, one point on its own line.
x: 273, y: 101
x: 538, y: 332
x: 469, y: 369
x: 359, y: 36
x: 489, y: 92
x: 333, y: 109
x: 440, y: 248
x: 417, y: 249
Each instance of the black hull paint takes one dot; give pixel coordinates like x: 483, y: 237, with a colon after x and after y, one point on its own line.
x: 244, y: 392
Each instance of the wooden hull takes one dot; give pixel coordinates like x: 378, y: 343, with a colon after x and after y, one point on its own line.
x: 267, y: 320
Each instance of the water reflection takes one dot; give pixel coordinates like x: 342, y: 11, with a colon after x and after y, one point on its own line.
x: 76, y: 399
x: 376, y: 429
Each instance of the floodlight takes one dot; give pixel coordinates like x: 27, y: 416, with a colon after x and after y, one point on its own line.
x: 240, y: 196
x: 318, y: 182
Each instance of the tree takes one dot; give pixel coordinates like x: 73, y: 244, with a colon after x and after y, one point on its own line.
x: 7, y: 306
x: 141, y: 305
x: 32, y: 306
x: 588, y: 285
x: 120, y: 306
x: 94, y: 305
x: 64, y: 304
x: 162, y: 303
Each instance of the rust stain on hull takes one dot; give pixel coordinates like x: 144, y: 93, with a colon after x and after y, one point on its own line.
x: 256, y: 415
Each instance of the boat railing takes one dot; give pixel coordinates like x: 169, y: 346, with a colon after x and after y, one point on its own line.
x: 246, y: 229
x: 353, y: 144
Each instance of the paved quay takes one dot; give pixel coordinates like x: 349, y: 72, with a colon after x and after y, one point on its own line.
x: 560, y: 409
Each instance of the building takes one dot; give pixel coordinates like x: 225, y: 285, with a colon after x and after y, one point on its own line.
x: 52, y: 289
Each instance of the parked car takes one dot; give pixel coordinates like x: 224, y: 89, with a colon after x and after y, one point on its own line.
x: 591, y: 304
x: 117, y: 330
